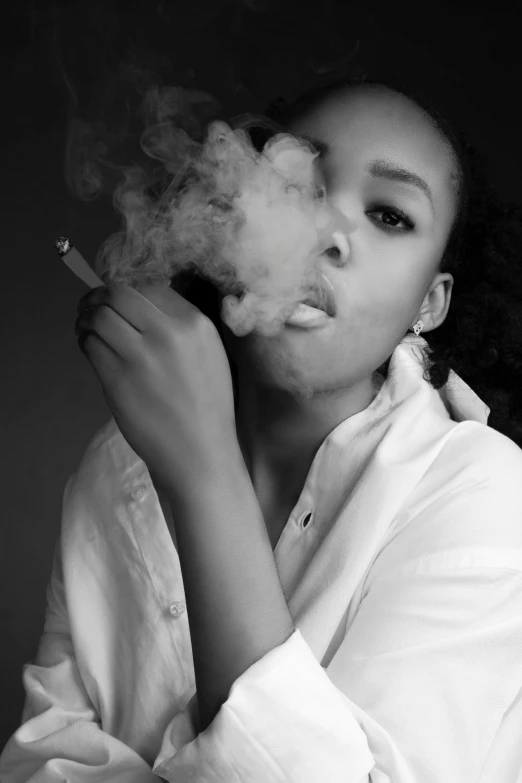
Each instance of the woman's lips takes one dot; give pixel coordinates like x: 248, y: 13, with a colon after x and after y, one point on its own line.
x: 322, y: 297
x: 307, y: 317
x: 329, y: 293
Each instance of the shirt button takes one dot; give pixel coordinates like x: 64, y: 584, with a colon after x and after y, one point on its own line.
x: 177, y: 608
x: 138, y: 492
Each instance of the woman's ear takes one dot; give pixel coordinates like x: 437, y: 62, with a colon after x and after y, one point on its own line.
x: 437, y: 301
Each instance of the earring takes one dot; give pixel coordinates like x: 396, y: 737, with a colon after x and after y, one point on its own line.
x: 417, y: 328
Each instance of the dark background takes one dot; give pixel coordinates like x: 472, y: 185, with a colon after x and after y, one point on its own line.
x: 57, y: 59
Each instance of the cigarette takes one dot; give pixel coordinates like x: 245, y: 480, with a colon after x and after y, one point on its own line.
x: 77, y: 263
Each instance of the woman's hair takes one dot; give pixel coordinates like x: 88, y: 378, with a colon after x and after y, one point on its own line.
x: 481, y: 337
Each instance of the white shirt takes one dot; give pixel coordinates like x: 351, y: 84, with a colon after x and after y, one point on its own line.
x: 402, y: 568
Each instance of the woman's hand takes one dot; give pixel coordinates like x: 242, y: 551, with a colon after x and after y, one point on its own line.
x: 165, y: 376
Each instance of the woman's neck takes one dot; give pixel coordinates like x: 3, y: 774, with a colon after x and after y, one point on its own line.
x: 280, y: 435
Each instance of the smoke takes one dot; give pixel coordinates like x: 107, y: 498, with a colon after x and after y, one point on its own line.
x: 251, y: 222
x: 195, y: 196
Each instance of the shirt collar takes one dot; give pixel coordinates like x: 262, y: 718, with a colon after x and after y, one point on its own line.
x: 406, y: 412
x: 461, y: 402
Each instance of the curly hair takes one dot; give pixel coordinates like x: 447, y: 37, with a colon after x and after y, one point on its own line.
x: 481, y: 336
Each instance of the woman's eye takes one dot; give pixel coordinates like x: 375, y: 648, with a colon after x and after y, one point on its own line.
x: 391, y: 217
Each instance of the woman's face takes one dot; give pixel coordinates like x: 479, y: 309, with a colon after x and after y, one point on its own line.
x: 390, y: 273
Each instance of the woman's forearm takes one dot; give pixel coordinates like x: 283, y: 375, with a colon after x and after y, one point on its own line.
x: 236, y: 608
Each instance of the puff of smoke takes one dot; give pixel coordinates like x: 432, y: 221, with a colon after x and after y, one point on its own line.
x: 250, y: 222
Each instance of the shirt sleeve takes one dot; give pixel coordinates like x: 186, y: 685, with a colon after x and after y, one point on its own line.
x: 60, y: 737
x: 426, y: 685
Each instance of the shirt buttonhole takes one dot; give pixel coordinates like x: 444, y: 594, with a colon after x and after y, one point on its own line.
x: 306, y: 518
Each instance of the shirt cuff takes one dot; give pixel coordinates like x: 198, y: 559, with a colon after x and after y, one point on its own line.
x: 284, y: 721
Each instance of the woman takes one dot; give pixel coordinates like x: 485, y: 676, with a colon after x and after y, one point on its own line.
x: 343, y: 585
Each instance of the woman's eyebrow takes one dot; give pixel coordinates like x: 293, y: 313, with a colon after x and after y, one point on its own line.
x: 386, y: 169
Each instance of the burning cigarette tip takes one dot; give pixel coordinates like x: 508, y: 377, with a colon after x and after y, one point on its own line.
x: 63, y: 245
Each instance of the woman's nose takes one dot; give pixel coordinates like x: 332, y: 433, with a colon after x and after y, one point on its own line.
x: 338, y: 248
